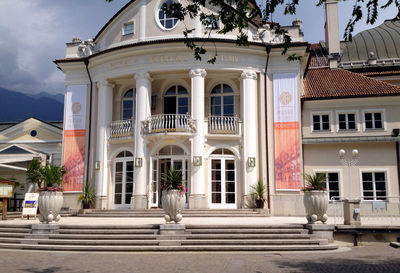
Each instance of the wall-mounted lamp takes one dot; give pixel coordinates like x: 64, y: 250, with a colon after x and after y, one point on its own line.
x: 251, y: 162
x: 197, y: 161
x: 138, y: 162
x: 97, y: 165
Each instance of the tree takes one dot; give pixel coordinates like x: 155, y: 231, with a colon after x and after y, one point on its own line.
x: 238, y: 14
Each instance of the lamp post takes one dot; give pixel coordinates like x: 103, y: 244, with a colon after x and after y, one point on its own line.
x: 349, y: 162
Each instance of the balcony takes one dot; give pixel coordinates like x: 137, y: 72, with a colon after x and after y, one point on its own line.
x: 224, y: 125
x: 122, y: 129
x: 168, y: 123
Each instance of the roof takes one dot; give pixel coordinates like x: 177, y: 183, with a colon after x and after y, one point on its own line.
x: 6, y: 125
x: 383, y: 41
x: 326, y: 83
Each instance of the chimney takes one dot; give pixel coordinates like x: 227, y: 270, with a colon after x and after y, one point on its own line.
x: 332, y: 32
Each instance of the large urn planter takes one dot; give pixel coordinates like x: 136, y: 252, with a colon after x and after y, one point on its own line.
x: 316, y: 204
x: 173, y: 203
x: 50, y: 204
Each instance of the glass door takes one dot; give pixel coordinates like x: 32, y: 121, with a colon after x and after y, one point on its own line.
x: 223, y: 183
x: 123, y: 183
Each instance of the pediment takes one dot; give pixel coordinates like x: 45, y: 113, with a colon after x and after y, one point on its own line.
x: 16, y: 150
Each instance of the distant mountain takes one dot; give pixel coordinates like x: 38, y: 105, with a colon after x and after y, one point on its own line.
x: 16, y: 106
x: 57, y: 97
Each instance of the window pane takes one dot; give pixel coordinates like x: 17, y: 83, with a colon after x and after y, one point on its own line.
x: 317, y: 127
x: 325, y: 118
x: 342, y: 117
x: 377, y: 116
x: 325, y: 126
x: 230, y: 198
x: 117, y: 198
x: 228, y: 110
x: 216, y: 90
x: 128, y: 198
x: 129, y: 166
x: 227, y: 89
x: 367, y: 177
x: 216, y: 198
x: 333, y: 177
x: 228, y: 100
x: 367, y: 186
x: 118, y: 188
x: 380, y: 176
x: 380, y: 186
x: 316, y: 119
x: 129, y: 94
x: 352, y: 125
x: 378, y: 124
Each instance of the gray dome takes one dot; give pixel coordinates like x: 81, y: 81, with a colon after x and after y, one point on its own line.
x: 383, y: 41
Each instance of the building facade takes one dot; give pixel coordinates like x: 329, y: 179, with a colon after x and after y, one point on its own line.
x: 138, y: 104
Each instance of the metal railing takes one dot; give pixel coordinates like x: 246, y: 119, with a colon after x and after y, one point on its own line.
x: 122, y: 128
x: 372, y: 212
x: 168, y: 123
x: 224, y: 125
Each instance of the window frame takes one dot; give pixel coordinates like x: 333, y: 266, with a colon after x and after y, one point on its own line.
x: 156, y: 15
x: 383, y: 119
x: 221, y: 95
x: 373, y: 171
x: 128, y: 23
x: 320, y: 113
x: 346, y: 112
x: 127, y: 99
x: 209, y: 24
x: 340, y: 177
x: 177, y: 96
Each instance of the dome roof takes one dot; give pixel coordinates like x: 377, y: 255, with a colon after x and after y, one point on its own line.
x: 383, y: 41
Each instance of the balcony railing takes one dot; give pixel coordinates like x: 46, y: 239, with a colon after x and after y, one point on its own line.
x: 121, y: 128
x: 221, y: 125
x: 168, y: 123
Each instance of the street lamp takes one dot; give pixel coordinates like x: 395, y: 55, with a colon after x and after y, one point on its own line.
x: 349, y: 162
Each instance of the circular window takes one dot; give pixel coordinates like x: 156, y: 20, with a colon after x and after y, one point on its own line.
x: 166, y: 21
x: 33, y: 133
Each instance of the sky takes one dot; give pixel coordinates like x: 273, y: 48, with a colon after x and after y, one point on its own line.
x: 33, y: 34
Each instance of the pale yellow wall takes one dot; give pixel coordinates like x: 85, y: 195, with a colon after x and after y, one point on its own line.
x: 390, y: 105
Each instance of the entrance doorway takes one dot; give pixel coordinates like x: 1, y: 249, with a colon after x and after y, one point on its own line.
x: 123, y: 180
x: 222, y: 177
x: 168, y: 157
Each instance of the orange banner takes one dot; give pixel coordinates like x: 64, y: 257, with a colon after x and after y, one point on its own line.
x: 74, y: 160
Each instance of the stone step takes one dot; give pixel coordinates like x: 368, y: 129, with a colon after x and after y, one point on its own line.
x: 121, y: 227
x: 248, y: 236
x: 247, y: 231
x: 12, y: 235
x: 108, y: 231
x: 104, y: 236
x: 288, y: 226
x: 256, y: 242
x: 14, y: 230
x: 87, y: 248
x: 162, y: 215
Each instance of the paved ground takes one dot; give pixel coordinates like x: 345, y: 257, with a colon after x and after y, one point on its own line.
x: 376, y: 258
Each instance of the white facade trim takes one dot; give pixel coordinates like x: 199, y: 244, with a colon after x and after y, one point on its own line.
x: 374, y: 170
x: 356, y: 117
x: 374, y: 110
x: 319, y: 113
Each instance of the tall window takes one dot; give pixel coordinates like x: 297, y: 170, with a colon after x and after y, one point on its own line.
x: 222, y: 101
x: 374, y: 185
x: 347, y: 121
x: 176, y: 100
x: 373, y: 120
x: 321, y: 123
x: 123, y: 179
x: 167, y: 21
x: 332, y: 184
x: 128, y: 104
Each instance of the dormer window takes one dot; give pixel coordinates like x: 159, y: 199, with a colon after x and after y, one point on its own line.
x: 128, y: 28
x: 166, y: 21
x: 212, y: 22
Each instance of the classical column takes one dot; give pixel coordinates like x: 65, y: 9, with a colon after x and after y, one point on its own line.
x: 142, y: 20
x: 143, y: 111
x: 197, y: 197
x: 248, y: 98
x: 104, y: 118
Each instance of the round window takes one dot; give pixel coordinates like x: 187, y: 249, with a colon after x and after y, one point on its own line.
x: 33, y: 133
x: 166, y: 21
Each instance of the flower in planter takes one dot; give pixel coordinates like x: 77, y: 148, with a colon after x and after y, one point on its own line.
x: 172, y: 180
x: 316, y: 182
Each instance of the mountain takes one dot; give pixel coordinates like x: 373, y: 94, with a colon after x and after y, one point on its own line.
x: 57, y: 97
x: 16, y: 106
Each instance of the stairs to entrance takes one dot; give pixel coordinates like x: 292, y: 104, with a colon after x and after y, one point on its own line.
x: 186, y: 213
x: 147, y: 238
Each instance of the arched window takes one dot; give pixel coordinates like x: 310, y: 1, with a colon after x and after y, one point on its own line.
x: 123, y: 179
x: 222, y: 101
x: 166, y: 21
x: 128, y: 104
x: 176, y: 100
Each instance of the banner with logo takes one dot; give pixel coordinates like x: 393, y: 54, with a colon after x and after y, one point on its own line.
x: 286, y: 132
x: 74, y: 138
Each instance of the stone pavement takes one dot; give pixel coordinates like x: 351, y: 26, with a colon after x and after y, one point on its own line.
x: 376, y: 258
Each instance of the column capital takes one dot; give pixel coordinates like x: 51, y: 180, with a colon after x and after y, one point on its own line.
x: 105, y: 83
x: 198, y: 72
x: 141, y: 75
x: 249, y: 74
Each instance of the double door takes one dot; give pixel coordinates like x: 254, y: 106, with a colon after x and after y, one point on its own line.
x: 223, y: 192
x: 123, y: 183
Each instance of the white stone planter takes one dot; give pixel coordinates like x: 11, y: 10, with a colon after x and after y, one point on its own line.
x: 316, y: 204
x: 50, y: 204
x: 173, y: 203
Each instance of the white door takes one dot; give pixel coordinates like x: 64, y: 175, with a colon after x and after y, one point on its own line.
x: 123, y: 183
x: 223, y: 183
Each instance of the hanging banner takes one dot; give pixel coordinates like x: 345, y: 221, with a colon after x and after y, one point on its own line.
x: 286, y: 132
x: 74, y: 138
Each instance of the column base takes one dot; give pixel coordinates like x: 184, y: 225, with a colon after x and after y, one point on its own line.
x: 101, y: 202
x: 198, y: 201
x: 248, y: 201
x: 139, y: 202
x: 321, y: 231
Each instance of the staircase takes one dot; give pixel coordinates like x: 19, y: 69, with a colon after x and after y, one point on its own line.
x: 186, y: 213
x: 147, y: 238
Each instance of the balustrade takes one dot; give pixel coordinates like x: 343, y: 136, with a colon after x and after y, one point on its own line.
x: 225, y: 125
x: 165, y: 123
x: 121, y: 128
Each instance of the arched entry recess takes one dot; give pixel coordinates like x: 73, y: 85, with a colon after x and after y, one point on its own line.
x: 166, y: 158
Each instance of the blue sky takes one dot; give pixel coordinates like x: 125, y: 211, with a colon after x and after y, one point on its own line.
x: 33, y: 33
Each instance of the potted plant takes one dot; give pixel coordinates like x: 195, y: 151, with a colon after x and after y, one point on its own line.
x: 259, y: 191
x: 315, y: 198
x: 48, y: 179
x: 173, y: 195
x: 87, y: 197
